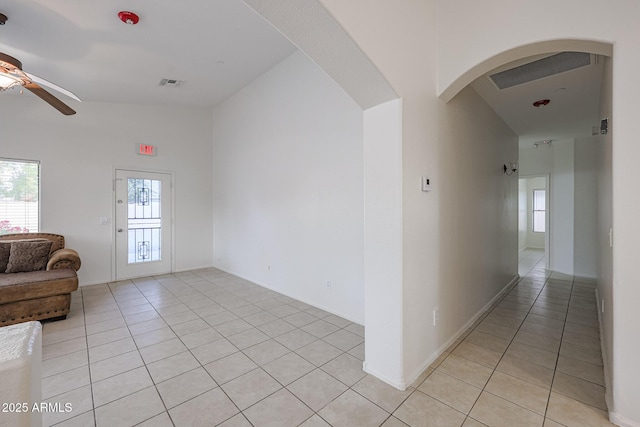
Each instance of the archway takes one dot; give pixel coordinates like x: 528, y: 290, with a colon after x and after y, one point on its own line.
x: 520, y: 52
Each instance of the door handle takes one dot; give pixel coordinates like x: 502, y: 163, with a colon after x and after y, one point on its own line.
x: 119, y: 230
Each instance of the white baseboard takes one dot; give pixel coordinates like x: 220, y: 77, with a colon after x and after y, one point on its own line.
x: 399, y: 385
x: 614, y: 417
x: 414, y: 375
x: 102, y: 282
x: 280, y: 291
x: 608, y: 396
x: 621, y: 421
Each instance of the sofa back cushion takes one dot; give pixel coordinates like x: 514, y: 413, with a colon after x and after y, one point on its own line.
x: 56, y: 239
x: 28, y: 255
x: 5, y: 250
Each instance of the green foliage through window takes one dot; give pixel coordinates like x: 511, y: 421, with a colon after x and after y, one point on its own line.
x: 19, y: 196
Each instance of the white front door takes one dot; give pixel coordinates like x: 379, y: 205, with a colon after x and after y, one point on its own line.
x: 143, y: 223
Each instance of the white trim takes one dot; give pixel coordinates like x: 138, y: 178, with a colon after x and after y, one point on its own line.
x: 621, y: 421
x: 264, y: 285
x: 608, y: 396
x: 402, y: 386
x: 172, y: 208
x: 460, y: 331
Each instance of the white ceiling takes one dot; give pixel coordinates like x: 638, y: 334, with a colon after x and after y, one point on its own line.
x: 572, y: 112
x: 216, y: 46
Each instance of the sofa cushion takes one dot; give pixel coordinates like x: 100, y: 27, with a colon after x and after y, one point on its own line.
x: 5, y: 250
x: 28, y: 256
x: 36, y: 284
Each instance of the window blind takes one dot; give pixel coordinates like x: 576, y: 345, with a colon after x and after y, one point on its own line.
x: 19, y: 196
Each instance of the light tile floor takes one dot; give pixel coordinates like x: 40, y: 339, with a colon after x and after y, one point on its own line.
x: 528, y: 258
x: 206, y: 348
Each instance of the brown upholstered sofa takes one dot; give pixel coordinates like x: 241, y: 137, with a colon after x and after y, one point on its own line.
x: 41, y: 294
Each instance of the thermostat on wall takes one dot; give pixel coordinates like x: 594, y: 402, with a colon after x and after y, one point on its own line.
x: 146, y: 150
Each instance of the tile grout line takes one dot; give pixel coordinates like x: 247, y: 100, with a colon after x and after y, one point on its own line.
x: 510, y: 342
x: 553, y: 377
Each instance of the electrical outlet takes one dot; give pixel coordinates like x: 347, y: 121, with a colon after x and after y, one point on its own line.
x: 436, y: 316
x: 328, y: 284
x: 269, y: 267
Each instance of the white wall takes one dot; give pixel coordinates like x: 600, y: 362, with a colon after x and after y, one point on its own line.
x: 573, y: 202
x: 383, y: 242
x: 477, y: 32
x: 604, y: 146
x: 585, y: 240
x: 400, y: 38
x: 523, y: 220
x: 478, y: 223
x: 78, y: 154
x: 557, y: 161
x: 288, y: 187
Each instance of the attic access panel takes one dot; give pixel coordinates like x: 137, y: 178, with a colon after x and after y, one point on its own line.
x: 545, y: 67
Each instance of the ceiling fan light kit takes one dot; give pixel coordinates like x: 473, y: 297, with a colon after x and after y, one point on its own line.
x: 11, y: 75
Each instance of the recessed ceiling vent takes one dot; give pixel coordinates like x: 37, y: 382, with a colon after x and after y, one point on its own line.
x: 171, y: 83
x: 554, y: 64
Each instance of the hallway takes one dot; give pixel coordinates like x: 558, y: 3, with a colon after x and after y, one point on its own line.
x: 536, y: 356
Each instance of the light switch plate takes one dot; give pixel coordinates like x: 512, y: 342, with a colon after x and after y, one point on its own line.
x: 425, y: 184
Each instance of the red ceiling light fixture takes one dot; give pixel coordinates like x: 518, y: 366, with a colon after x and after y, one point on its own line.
x: 128, y: 17
x: 541, y: 103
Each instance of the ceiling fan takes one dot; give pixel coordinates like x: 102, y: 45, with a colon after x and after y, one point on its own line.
x: 12, y: 75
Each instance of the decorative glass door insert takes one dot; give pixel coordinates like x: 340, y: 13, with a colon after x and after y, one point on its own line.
x: 143, y: 233
x: 144, y: 220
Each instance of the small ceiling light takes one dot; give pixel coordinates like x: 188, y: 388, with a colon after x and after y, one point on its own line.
x: 545, y: 142
x: 3, y: 18
x: 128, y: 17
x: 541, y: 103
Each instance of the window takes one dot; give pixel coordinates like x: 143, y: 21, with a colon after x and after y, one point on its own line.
x: 539, y: 210
x: 19, y: 196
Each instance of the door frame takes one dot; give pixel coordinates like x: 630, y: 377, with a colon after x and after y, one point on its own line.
x: 172, y: 210
x: 547, y: 220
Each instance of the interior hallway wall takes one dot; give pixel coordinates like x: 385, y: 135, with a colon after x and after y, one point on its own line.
x: 288, y: 187
x: 522, y: 214
x: 479, y: 209
x: 78, y: 153
x: 604, y: 160
x: 585, y: 244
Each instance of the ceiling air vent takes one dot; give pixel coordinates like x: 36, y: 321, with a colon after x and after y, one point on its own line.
x: 171, y: 83
x: 541, y: 68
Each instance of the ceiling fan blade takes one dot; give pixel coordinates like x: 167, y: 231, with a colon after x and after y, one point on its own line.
x: 42, y: 82
x: 50, y: 99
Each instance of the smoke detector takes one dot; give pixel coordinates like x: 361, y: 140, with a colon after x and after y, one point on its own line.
x: 128, y: 17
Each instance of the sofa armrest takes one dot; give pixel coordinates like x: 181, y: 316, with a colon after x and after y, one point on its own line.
x: 64, y: 258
